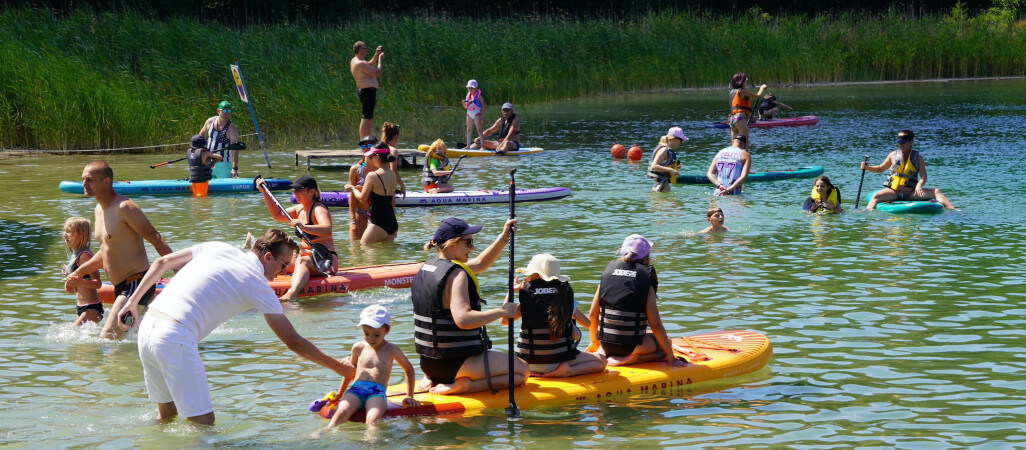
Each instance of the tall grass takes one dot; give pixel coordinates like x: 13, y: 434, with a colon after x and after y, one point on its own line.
x: 106, y: 81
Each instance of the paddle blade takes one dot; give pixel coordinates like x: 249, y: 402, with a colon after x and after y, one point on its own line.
x: 321, y: 257
x: 807, y: 205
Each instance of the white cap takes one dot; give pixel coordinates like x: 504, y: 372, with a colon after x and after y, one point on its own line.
x: 507, y: 105
x: 472, y: 84
x: 546, y: 266
x: 375, y: 316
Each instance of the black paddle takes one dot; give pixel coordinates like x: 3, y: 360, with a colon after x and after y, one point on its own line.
x: 235, y: 146
x: 512, y: 411
x: 754, y: 105
x: 454, y: 167
x: 859, y: 195
x: 319, y: 252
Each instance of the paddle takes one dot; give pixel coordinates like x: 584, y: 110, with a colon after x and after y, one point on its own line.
x: 235, y: 146
x: 866, y: 159
x: 168, y: 162
x: 319, y: 252
x: 512, y: 411
x: 754, y: 105
x: 454, y: 167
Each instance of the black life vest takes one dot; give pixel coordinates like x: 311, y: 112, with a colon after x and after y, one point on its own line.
x: 506, y: 125
x: 435, y: 334
x: 427, y: 176
x: 535, y: 345
x: 623, y: 294
x: 199, y: 172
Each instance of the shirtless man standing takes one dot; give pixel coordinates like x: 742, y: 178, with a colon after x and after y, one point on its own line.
x: 121, y: 227
x: 366, y: 74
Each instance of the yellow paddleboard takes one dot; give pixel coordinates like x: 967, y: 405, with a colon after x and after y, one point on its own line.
x: 472, y: 153
x: 727, y: 353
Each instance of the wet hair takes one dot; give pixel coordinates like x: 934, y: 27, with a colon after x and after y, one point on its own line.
x: 738, y: 80
x: 101, y: 168
x: 825, y: 180
x: 389, y: 131
x: 560, y: 313
x: 79, y: 229
x: 709, y: 212
x: 272, y: 241
x: 439, y: 247
x: 357, y: 46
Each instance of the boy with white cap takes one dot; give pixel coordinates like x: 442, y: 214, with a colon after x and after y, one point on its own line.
x: 373, y: 360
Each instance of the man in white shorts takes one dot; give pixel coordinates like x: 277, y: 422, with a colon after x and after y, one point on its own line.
x: 215, y: 281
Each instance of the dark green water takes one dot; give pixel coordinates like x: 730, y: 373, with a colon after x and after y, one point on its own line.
x: 888, y: 331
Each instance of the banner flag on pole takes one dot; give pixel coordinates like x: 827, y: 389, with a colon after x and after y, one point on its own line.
x: 241, y: 85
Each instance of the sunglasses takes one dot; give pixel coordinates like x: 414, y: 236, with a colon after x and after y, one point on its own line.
x: 366, y: 146
x: 469, y: 242
x: 226, y: 111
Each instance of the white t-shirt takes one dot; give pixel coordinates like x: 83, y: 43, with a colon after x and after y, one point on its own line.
x: 219, y: 282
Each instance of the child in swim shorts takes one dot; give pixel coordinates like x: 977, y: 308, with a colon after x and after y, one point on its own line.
x: 372, y: 358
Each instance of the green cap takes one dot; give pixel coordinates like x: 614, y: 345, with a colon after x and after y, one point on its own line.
x: 224, y: 105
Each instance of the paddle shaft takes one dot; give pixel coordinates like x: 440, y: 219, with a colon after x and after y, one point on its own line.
x: 299, y: 232
x: 859, y: 194
x: 512, y: 411
x: 754, y: 104
x: 231, y: 147
x: 454, y: 167
x: 168, y: 162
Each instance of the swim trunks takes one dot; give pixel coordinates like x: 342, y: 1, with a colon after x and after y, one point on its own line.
x: 368, y: 99
x: 441, y: 371
x: 364, y: 390
x: 98, y: 306
x: 130, y: 284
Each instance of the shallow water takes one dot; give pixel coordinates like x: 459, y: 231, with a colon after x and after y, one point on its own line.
x: 888, y: 331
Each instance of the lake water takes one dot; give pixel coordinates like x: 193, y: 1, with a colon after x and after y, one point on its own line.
x: 888, y: 330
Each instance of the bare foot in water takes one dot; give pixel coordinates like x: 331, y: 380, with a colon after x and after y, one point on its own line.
x: 425, y: 384
x: 460, y: 385
x: 561, y: 371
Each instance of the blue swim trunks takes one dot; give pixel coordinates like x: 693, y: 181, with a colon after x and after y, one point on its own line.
x: 366, y: 389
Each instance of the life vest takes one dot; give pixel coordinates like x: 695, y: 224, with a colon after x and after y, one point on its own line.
x: 435, y: 334
x: 505, y: 126
x: 427, y: 176
x: 768, y: 103
x: 73, y: 263
x: 535, y: 345
x: 833, y: 197
x: 904, y: 173
x: 623, y: 295
x: 198, y: 172
x: 473, y: 101
x: 739, y: 103
x: 670, y: 161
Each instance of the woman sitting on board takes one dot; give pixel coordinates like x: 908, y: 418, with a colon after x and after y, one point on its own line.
x: 624, y: 309
x: 435, y: 177
x: 311, y: 216
x: 548, y: 337
x: 741, y: 104
x: 908, y: 175
x: 448, y: 319
x: 824, y: 197
x: 380, y: 185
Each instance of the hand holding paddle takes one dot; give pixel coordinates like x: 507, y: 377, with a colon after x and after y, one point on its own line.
x: 865, y: 161
x: 319, y: 252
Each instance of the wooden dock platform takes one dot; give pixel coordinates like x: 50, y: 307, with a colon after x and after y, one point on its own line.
x: 356, y: 154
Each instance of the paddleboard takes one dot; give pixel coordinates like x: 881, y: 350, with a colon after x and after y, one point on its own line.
x: 782, y: 122
x: 728, y: 353
x: 181, y: 187
x: 347, y: 279
x: 770, y: 175
x: 472, y: 153
x: 907, y: 207
x: 479, y: 197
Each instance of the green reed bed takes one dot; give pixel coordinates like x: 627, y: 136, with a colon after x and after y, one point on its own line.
x: 107, y: 81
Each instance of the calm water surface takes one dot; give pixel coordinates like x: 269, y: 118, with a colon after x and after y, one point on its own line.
x: 888, y: 331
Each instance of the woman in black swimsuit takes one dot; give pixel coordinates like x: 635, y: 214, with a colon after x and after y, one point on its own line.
x: 379, y: 188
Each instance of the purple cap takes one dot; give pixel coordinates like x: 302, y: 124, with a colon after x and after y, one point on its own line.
x: 678, y: 133
x: 472, y: 84
x: 453, y: 227
x: 636, y: 244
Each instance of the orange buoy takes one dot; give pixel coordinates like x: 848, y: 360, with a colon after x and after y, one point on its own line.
x: 618, y: 151
x: 634, y: 154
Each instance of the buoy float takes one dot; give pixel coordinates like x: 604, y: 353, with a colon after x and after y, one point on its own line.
x: 634, y: 154
x: 618, y: 151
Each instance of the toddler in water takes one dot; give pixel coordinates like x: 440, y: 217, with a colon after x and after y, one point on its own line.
x: 715, y: 217
x: 76, y: 237
x: 373, y: 360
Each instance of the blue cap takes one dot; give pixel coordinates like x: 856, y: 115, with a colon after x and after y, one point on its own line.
x: 451, y: 228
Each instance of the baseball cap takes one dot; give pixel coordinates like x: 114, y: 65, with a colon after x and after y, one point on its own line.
x: 546, y: 266
x: 375, y: 316
x: 678, y: 133
x: 905, y: 136
x: 507, y: 105
x: 636, y: 244
x: 369, y: 139
x: 225, y: 105
x: 453, y: 227
x: 198, y: 141
x: 305, y: 182
x: 472, y: 84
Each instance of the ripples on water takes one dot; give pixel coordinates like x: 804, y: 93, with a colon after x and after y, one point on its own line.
x: 891, y: 331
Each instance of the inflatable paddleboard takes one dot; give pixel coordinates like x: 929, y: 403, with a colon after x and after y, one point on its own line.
x: 473, y: 153
x: 907, y: 207
x: 347, y: 279
x: 770, y: 175
x: 181, y: 187
x: 728, y: 354
x: 480, y: 197
x: 782, y: 122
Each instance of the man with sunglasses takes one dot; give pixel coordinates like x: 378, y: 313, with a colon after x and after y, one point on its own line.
x: 366, y: 74
x: 215, y: 282
x: 508, y: 129
x: 220, y: 132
